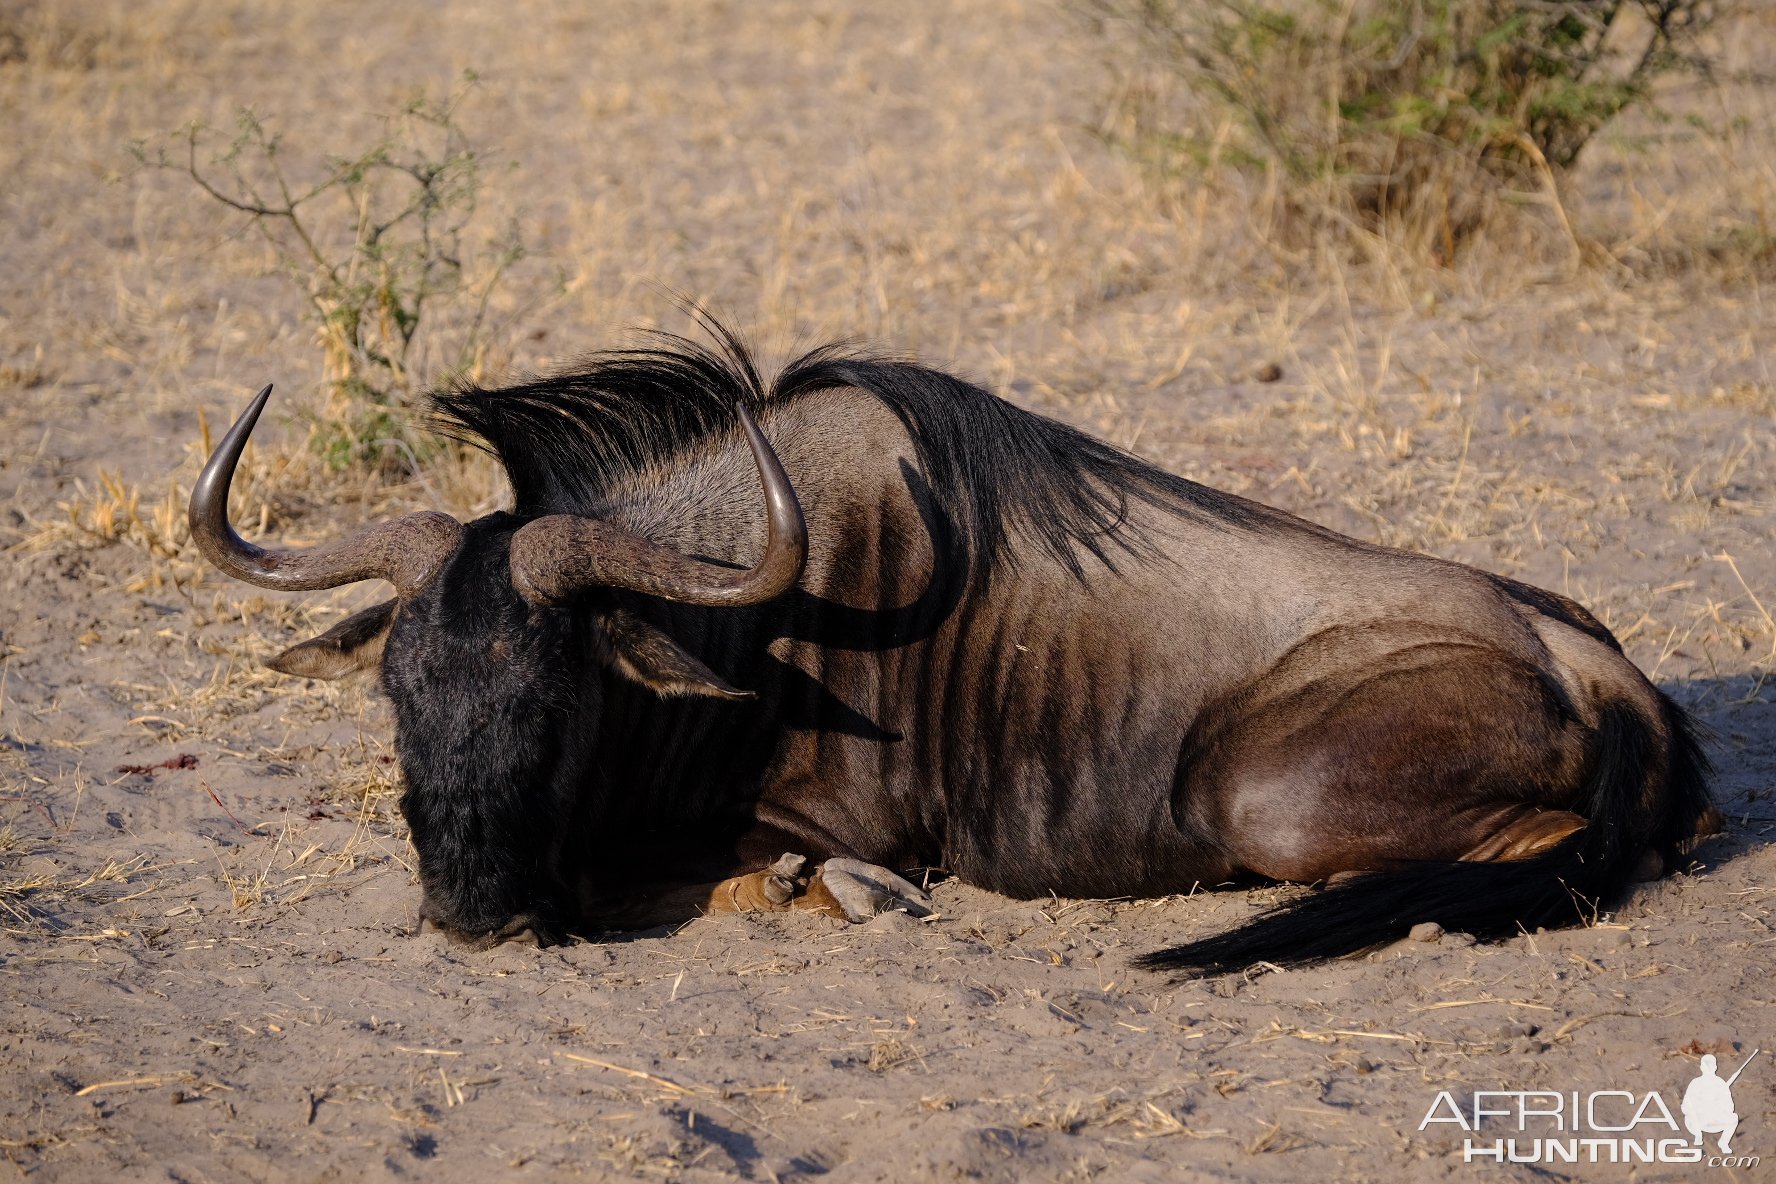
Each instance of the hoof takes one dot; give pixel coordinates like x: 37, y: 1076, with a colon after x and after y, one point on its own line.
x: 783, y: 880
x: 862, y: 890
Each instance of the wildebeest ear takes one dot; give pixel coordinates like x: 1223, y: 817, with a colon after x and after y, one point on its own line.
x: 352, y: 645
x: 643, y: 654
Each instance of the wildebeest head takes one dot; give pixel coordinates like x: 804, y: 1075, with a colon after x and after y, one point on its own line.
x: 493, y: 652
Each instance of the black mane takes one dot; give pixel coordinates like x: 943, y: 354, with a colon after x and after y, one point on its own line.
x: 567, y: 440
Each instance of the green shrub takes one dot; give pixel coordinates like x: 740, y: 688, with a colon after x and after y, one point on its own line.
x: 1407, y: 117
x: 378, y: 243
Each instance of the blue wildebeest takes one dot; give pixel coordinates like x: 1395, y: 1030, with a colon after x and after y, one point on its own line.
x: 958, y: 635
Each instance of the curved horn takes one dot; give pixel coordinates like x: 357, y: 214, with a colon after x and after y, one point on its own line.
x: 554, y: 557
x: 406, y: 552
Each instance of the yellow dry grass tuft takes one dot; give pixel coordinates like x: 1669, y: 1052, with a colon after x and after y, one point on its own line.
x: 32, y: 898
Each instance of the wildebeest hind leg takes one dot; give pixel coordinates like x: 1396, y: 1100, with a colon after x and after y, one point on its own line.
x: 1529, y: 833
x: 1535, y: 831
x: 1369, y: 768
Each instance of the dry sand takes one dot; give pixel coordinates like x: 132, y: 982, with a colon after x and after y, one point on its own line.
x: 205, y: 889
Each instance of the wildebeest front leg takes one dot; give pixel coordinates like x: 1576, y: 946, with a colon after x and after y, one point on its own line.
x: 771, y: 890
x: 848, y: 889
x: 857, y: 891
x: 768, y: 890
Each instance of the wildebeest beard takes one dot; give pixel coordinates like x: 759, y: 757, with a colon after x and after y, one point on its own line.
x: 952, y: 634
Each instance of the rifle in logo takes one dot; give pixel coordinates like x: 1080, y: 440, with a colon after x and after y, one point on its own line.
x: 1708, y: 1103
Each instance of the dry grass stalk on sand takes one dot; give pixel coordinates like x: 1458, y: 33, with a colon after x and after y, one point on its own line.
x: 1597, y: 423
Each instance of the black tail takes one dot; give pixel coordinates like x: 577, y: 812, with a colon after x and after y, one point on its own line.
x: 1628, y: 811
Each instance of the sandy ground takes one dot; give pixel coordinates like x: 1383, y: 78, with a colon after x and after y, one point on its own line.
x: 206, y: 893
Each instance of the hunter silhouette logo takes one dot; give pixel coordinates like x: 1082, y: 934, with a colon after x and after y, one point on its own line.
x: 1708, y: 1103
x: 1600, y: 1126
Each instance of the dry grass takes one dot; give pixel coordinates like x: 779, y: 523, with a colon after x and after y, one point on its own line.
x: 1118, y: 1113
x: 1057, y: 232
x: 273, y: 489
x: 34, y: 899
x: 1605, y: 433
